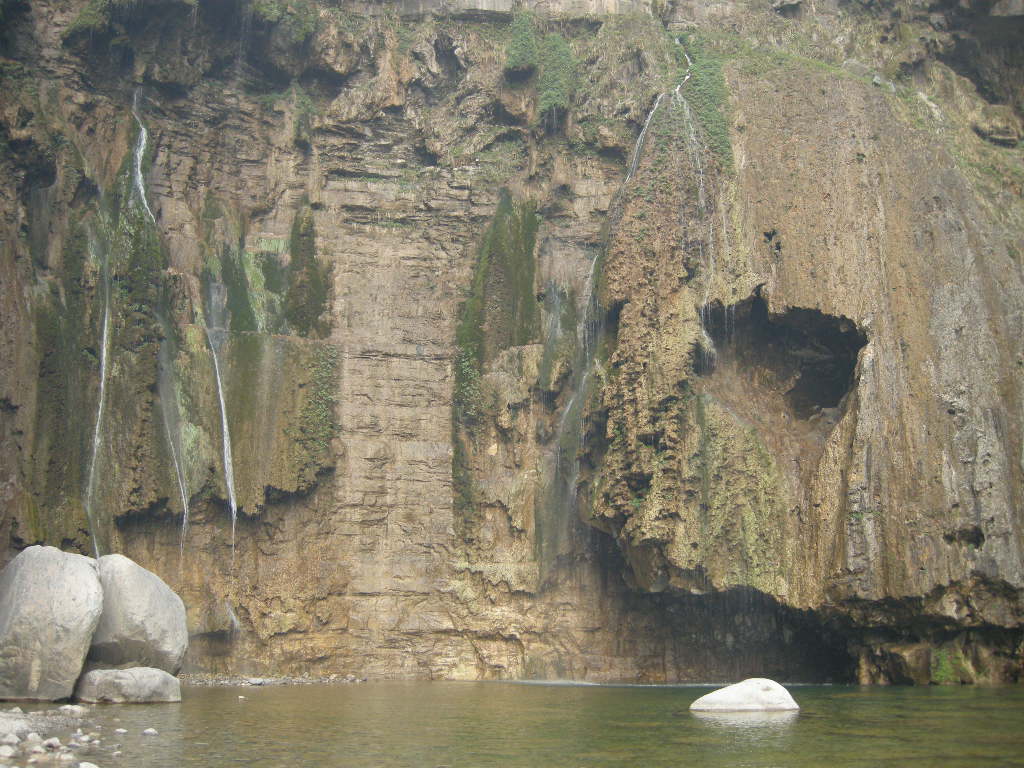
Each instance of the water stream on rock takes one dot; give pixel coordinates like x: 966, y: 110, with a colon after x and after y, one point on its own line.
x: 572, y: 424
x: 140, y: 153
x: 216, y: 332
x: 706, y: 253
x: 172, y: 424
x: 97, y: 434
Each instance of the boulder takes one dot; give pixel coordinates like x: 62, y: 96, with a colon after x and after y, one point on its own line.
x: 128, y: 686
x: 758, y: 694
x: 50, y: 604
x: 143, y: 620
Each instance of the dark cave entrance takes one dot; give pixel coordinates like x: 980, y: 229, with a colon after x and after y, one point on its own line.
x: 807, y: 356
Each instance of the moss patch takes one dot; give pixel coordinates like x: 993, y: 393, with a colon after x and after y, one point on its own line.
x: 308, y: 280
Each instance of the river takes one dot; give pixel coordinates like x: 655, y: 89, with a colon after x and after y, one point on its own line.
x: 471, y: 725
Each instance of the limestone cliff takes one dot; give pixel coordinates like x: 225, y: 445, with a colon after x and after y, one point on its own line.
x: 496, y: 389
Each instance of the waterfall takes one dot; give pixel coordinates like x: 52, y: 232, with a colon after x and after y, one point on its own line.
x: 140, y: 152
x: 214, y: 335
x: 172, y: 426
x: 696, y: 151
x: 90, y: 487
x: 571, y: 425
x: 640, y: 139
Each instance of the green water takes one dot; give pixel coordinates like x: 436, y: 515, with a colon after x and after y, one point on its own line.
x: 465, y: 725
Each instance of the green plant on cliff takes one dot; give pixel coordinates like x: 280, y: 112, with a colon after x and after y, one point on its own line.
x: 295, y: 18
x: 557, y: 82
x: 308, y: 279
x: 522, y: 52
x: 942, y: 668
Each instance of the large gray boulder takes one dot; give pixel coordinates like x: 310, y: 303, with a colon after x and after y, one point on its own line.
x: 143, y: 620
x: 136, y: 685
x: 757, y: 694
x: 50, y: 603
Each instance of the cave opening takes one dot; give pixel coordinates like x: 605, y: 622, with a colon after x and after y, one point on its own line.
x: 807, y: 356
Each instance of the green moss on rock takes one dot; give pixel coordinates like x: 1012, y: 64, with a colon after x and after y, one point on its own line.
x: 308, y: 280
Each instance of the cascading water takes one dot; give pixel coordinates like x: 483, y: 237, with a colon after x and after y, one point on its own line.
x: 90, y: 486
x: 572, y: 426
x: 140, y: 153
x: 215, y: 335
x: 697, y: 150
x: 172, y: 426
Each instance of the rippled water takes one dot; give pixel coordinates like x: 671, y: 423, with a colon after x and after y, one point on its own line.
x: 467, y: 725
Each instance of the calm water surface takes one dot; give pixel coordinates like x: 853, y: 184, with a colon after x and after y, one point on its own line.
x: 466, y: 725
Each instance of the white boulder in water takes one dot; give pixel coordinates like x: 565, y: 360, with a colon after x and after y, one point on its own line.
x: 758, y: 694
x: 128, y: 686
x: 143, y: 620
x: 50, y: 603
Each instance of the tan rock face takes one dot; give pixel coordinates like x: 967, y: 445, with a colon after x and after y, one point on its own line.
x: 800, y: 430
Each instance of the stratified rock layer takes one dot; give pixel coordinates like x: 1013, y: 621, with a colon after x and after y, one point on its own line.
x: 50, y: 603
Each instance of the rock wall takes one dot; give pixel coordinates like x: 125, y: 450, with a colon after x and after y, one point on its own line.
x: 501, y: 404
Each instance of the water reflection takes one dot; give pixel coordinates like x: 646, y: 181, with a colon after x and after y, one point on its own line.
x: 483, y: 725
x: 770, y: 720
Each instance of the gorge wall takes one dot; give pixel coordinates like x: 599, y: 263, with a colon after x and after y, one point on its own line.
x: 508, y: 392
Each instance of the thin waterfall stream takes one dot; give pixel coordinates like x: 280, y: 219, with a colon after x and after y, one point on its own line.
x: 140, y: 153
x: 172, y: 426
x: 97, y: 435
x: 215, y: 333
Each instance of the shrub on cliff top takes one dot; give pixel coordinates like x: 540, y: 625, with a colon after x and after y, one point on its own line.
x: 521, y: 53
x: 557, y: 81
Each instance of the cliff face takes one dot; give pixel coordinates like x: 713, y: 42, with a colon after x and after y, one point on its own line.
x: 508, y: 393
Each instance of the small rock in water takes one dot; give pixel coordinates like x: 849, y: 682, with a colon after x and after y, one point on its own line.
x: 74, y: 710
x: 758, y: 694
x: 150, y: 732
x: 52, y: 743
x: 88, y: 765
x: 11, y: 738
x: 241, y: 697
x: 33, y: 737
x: 7, y: 751
x: 120, y: 730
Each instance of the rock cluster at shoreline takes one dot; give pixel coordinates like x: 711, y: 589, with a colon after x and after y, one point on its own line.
x: 25, y: 737
x: 107, y: 626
